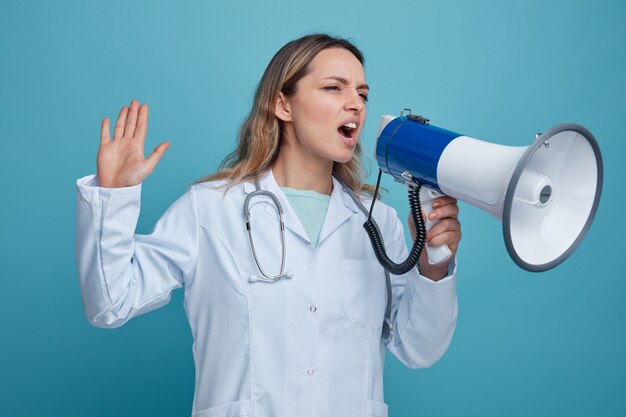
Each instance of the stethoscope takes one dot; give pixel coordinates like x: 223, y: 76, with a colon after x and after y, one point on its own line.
x: 387, y: 333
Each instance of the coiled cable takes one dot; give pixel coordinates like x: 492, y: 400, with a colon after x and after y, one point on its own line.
x: 378, y: 244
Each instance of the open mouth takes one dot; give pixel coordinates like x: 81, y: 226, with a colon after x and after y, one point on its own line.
x: 348, y: 130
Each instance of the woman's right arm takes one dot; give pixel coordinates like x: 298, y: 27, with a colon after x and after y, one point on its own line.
x: 122, y: 274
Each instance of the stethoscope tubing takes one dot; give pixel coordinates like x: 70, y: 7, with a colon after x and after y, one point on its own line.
x: 246, y: 212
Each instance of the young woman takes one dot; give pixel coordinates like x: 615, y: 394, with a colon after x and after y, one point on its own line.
x: 306, y: 343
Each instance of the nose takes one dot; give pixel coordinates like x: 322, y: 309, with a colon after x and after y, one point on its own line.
x: 354, y: 102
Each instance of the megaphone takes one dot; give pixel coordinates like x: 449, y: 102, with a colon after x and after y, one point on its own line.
x: 546, y: 194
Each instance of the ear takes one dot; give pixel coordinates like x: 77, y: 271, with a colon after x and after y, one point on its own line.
x: 282, y: 110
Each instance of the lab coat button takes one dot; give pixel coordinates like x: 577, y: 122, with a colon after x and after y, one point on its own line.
x: 310, y: 371
x: 313, y: 309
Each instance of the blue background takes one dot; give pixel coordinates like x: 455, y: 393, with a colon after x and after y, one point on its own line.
x: 550, y: 344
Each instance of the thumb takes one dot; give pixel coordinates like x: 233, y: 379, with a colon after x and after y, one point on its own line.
x: 153, y: 159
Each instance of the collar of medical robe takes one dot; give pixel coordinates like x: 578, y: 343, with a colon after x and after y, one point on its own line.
x: 340, y: 207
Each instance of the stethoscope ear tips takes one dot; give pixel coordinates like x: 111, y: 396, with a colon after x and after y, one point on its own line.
x: 253, y: 278
x: 289, y: 274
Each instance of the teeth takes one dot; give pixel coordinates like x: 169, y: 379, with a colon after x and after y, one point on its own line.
x: 350, y: 125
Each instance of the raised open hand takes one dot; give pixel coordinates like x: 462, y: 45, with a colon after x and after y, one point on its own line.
x: 121, y: 161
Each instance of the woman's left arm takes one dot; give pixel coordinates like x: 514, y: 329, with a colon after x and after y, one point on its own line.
x: 424, y: 306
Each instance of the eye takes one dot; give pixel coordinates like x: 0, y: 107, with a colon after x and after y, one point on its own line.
x: 364, y: 96
x: 332, y: 88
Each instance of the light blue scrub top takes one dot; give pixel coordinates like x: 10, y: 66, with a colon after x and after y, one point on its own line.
x: 311, y: 208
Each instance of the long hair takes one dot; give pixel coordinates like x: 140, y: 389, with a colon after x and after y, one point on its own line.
x: 260, y: 133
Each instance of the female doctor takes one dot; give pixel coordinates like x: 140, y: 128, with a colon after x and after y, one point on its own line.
x: 292, y: 328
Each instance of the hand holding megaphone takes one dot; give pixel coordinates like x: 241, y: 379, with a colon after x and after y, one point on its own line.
x: 436, y: 254
x: 445, y: 237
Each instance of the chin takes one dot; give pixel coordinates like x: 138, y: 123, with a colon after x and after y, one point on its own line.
x: 342, y: 159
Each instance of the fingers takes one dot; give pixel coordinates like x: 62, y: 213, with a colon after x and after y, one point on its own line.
x: 451, y: 239
x: 448, y: 228
x: 444, y: 207
x: 153, y: 159
x: 105, y: 131
x: 142, y: 123
x: 450, y: 210
x: 131, y: 120
x: 442, y: 201
x: 447, y: 231
x: 119, y: 124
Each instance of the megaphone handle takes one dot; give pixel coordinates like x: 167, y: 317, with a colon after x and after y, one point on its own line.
x: 436, y: 254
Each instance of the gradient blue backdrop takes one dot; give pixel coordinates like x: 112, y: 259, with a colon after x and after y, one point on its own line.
x: 552, y: 344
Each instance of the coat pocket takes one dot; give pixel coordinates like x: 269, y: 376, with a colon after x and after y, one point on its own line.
x: 235, y: 409
x: 364, y: 292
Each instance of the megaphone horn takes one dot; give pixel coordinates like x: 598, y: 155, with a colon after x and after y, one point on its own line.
x: 546, y: 194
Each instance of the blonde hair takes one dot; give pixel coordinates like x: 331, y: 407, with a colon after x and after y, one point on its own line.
x: 260, y: 133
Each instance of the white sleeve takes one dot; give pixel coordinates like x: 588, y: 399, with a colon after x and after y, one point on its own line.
x: 121, y: 274
x: 424, y: 312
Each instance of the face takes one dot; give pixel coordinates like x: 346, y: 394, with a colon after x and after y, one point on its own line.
x: 324, y: 118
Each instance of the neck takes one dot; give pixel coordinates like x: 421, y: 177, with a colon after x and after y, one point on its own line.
x: 294, y: 170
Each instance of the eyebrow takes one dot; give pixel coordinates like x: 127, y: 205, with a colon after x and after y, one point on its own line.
x: 345, y: 82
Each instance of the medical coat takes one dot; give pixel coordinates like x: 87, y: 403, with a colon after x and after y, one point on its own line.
x: 309, y: 345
